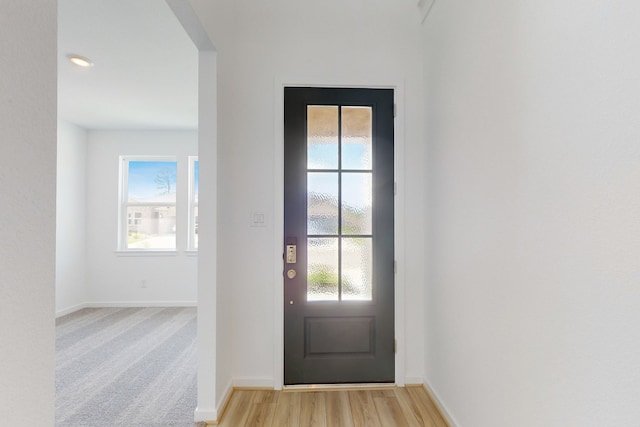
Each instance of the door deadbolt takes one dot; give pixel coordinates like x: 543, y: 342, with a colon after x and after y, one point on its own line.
x: 291, y: 273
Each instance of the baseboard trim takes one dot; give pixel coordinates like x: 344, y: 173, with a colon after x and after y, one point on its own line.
x: 253, y: 383
x: 205, y: 415
x: 136, y: 304
x: 71, y: 309
x: 444, y: 411
x: 236, y: 384
x: 411, y: 381
x: 223, y: 403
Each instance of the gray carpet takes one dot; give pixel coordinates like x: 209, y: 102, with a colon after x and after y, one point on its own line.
x: 126, y: 367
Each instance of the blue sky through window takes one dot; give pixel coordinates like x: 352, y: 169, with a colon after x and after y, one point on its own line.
x: 354, y: 155
x: 322, y: 155
x: 196, y: 179
x: 152, y: 181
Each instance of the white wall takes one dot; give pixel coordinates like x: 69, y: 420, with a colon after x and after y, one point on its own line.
x: 214, y: 360
x: 70, y: 218
x: 260, y: 47
x: 27, y: 217
x: 114, y: 279
x: 534, y: 212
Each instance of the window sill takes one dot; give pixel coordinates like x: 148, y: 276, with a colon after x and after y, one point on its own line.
x: 147, y: 252
x: 191, y: 252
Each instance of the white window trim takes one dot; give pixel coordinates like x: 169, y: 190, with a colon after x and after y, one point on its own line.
x: 123, y: 204
x: 193, y: 204
x: 146, y: 252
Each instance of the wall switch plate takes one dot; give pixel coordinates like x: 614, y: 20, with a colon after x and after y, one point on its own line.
x: 258, y: 219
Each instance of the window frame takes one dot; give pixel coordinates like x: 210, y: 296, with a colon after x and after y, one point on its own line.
x: 192, y: 205
x: 124, y: 204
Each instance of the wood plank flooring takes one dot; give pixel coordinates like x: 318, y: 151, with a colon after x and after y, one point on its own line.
x: 401, y: 406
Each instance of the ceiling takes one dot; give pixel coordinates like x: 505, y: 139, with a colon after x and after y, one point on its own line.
x: 145, y: 72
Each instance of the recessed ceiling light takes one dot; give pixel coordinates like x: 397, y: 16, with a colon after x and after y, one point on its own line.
x: 80, y: 61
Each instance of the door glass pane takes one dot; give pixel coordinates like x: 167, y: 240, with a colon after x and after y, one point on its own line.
x: 322, y: 203
x: 356, y: 138
x: 322, y: 269
x: 356, y: 269
x: 322, y: 137
x: 356, y: 203
x: 151, y: 227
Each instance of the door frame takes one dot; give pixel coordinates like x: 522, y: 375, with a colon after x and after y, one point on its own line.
x: 278, y: 215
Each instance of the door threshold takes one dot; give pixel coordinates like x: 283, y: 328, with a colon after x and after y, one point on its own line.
x: 338, y: 387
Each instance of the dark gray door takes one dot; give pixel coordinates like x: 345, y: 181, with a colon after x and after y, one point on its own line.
x: 338, y: 241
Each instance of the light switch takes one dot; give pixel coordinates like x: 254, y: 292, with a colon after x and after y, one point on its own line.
x: 258, y: 219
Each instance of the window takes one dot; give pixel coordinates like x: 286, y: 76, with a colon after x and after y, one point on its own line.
x: 148, y: 203
x: 194, y: 186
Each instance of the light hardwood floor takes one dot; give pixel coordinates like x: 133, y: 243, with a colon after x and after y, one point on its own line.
x: 400, y: 406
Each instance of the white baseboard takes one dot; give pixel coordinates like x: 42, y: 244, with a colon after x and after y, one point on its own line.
x: 208, y: 415
x: 133, y: 304
x: 71, y: 309
x: 413, y: 381
x: 211, y: 415
x: 443, y: 408
x: 254, y: 382
x: 223, y: 400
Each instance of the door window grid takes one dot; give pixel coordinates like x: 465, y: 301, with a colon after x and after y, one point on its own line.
x: 343, y: 272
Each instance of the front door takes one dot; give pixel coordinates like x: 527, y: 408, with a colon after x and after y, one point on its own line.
x: 338, y: 241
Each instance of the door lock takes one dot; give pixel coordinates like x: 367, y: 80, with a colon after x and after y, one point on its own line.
x: 291, y: 273
x: 291, y: 254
